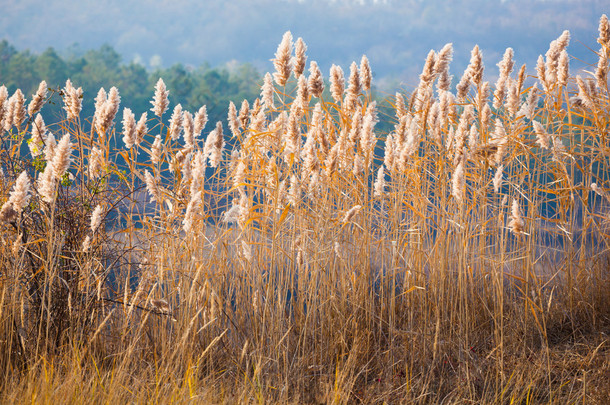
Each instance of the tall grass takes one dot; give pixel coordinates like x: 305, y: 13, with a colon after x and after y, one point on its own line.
x: 299, y: 255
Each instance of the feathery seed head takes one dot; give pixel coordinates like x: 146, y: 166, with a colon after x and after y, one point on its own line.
x: 129, y: 128
x: 337, y: 83
x: 427, y: 75
x: 244, y: 114
x: 175, y: 123
x: 96, y: 218
x: 62, y: 156
x: 38, y: 99
x: 300, y: 59
x: 201, y: 119
x: 96, y: 162
x: 72, y: 100
x: 443, y: 59
x: 604, y: 32
x: 160, y: 100
x: 18, y: 199
x: 516, y: 224
x: 282, y: 61
x: 151, y: 186
x: 379, y: 185
x: 497, y: 182
x: 315, y: 81
x: 267, y: 91
x: 365, y: 73
x: 39, y: 135
x: 458, y: 183
x: 141, y: 128
x: 156, y: 150
x: 349, y: 215
x: 542, y: 136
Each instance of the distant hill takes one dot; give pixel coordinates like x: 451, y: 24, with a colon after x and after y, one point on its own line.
x: 395, y: 34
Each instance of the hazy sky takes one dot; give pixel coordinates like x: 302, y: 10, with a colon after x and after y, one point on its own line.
x: 396, y: 35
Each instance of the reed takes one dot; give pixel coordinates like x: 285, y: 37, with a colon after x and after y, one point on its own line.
x: 303, y: 255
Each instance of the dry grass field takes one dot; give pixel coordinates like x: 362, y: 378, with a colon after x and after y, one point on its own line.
x: 296, y: 254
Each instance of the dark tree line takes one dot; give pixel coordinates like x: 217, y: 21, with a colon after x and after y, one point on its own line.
x: 103, y: 67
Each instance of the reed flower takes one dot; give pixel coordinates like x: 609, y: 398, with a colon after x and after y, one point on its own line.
x: 49, y: 148
x: 598, y: 190
x: 337, y: 83
x: 151, y: 186
x: 141, y: 128
x: 109, y: 110
x: 38, y: 99
x: 160, y: 100
x: 368, y: 140
x: 100, y: 101
x: 497, y: 181
x: 365, y: 73
x: 175, y: 123
x: 39, y: 135
x: 516, y: 223
x: 500, y: 141
x: 267, y: 92
x: 244, y: 114
x: 476, y: 66
x: 506, y: 67
x: 584, y: 93
x: 293, y: 135
x: 458, y: 183
x: 389, y: 158
x: 62, y: 156
x: 443, y: 59
x: 3, y: 106
x: 86, y: 244
x: 349, y: 215
x: 601, y: 72
x: 302, y: 99
x: 96, y: 162
x: 129, y: 128
x: 427, y: 75
x: 558, y: 149
x: 358, y: 167
x: 246, y: 250
x: 156, y: 150
x: 201, y: 119
x: 282, y: 61
x: 513, y: 99
x: 553, y: 54
x: 193, y: 210
x: 198, y: 172
x: 232, y: 119
x: 563, y: 69
x: 96, y: 218
x: 529, y: 107
x: 300, y: 59
x: 379, y: 185
x: 464, y: 85
x: 47, y: 183
x: 18, y: 199
x: 400, y: 108
x: 604, y: 32
x: 72, y: 100
x: 214, y: 145
x: 294, y: 193
x: 542, y: 137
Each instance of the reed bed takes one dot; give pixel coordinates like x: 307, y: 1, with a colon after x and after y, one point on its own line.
x: 296, y: 254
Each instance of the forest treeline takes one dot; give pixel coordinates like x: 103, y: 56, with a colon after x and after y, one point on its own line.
x: 214, y: 87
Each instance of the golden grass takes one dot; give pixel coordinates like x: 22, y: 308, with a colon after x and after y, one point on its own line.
x: 284, y: 264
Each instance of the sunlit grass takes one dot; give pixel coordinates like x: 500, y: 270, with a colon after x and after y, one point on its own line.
x: 299, y: 255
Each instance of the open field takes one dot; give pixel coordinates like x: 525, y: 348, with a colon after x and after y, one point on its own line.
x: 297, y: 255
